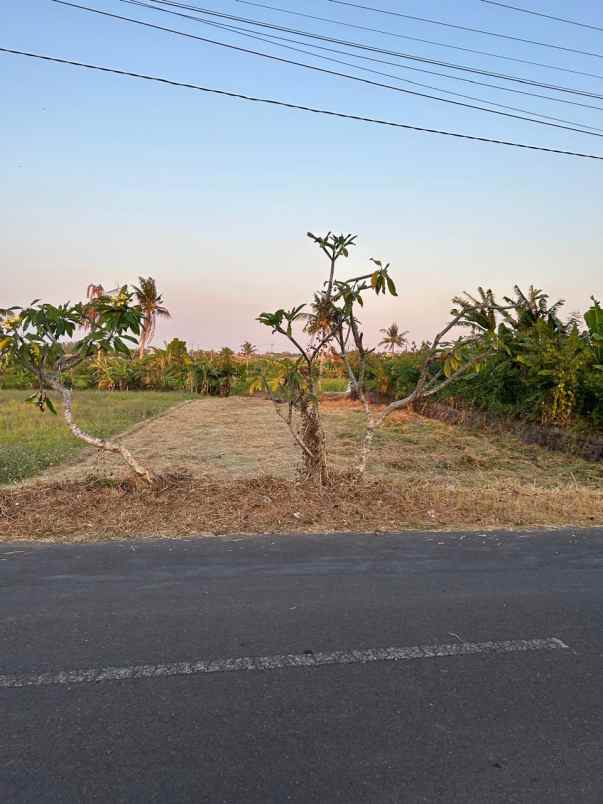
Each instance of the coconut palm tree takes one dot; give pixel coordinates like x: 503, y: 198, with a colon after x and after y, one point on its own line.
x: 393, y: 338
x: 92, y: 292
x: 151, y: 303
x: 96, y: 292
x: 248, y: 350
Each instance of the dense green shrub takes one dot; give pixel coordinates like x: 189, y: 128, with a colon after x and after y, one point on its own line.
x: 547, y: 371
x: 393, y: 376
x: 13, y: 378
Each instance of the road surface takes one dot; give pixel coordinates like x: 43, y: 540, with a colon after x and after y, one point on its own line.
x: 380, y: 668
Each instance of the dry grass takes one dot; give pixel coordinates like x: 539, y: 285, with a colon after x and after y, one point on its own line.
x: 231, y: 465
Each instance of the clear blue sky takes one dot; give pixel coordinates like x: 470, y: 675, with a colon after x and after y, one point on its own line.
x: 104, y: 178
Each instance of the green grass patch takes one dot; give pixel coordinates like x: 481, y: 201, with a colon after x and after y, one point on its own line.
x: 333, y: 384
x: 31, y: 441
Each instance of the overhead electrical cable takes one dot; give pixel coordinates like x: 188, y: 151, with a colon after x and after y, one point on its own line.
x: 270, y: 39
x: 299, y: 107
x: 542, y: 14
x: 465, y: 28
x: 372, y: 49
x: 418, y: 39
x: 512, y: 90
x: 325, y: 71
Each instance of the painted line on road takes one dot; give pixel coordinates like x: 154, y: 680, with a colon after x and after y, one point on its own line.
x: 278, y: 662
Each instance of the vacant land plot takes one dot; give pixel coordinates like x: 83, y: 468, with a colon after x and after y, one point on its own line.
x: 229, y: 466
x: 31, y: 441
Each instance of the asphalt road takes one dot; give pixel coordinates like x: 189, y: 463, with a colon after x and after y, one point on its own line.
x: 484, y: 714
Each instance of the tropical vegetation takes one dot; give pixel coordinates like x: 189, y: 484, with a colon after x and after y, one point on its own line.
x: 518, y: 356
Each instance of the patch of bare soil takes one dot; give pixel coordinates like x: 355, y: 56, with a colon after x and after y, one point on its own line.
x: 229, y: 467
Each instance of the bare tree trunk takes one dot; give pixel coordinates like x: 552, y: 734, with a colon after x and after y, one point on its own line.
x: 315, y: 458
x: 311, y: 438
x: 357, y: 392
x: 423, y: 390
x: 99, y: 443
x: 373, y: 423
x: 365, y: 447
x: 321, y: 368
x: 145, y: 332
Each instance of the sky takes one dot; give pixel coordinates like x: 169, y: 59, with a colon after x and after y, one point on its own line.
x: 106, y: 178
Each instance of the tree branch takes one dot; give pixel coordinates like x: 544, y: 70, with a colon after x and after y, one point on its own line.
x: 325, y: 340
x: 300, y: 348
x: 99, y: 443
x: 287, y: 420
x: 434, y: 389
x: 422, y: 393
x: 333, y: 259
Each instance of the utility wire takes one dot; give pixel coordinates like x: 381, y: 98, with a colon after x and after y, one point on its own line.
x: 287, y: 105
x: 270, y: 40
x: 473, y: 81
x: 542, y: 14
x: 465, y: 28
x: 417, y: 39
x: 325, y: 71
x: 372, y: 49
x: 372, y: 59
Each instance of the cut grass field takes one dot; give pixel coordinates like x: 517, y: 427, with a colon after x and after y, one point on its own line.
x: 229, y: 466
x: 31, y: 441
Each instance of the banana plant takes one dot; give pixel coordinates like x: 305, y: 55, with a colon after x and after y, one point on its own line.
x: 594, y: 322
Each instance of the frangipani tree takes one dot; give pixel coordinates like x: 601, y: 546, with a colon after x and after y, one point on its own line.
x: 332, y: 311
x: 39, y: 339
x: 339, y: 303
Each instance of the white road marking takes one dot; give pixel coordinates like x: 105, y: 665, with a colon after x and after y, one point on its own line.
x: 278, y: 662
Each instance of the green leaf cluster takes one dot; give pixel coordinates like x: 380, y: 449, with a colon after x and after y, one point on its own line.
x: 46, y: 340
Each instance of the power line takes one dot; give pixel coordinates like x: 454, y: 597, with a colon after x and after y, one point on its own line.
x: 512, y: 90
x: 298, y: 107
x: 418, y: 39
x: 334, y: 73
x: 372, y: 49
x: 270, y: 39
x: 498, y: 87
x: 542, y: 14
x: 465, y: 28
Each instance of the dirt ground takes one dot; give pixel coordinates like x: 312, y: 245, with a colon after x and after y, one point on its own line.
x: 230, y: 467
